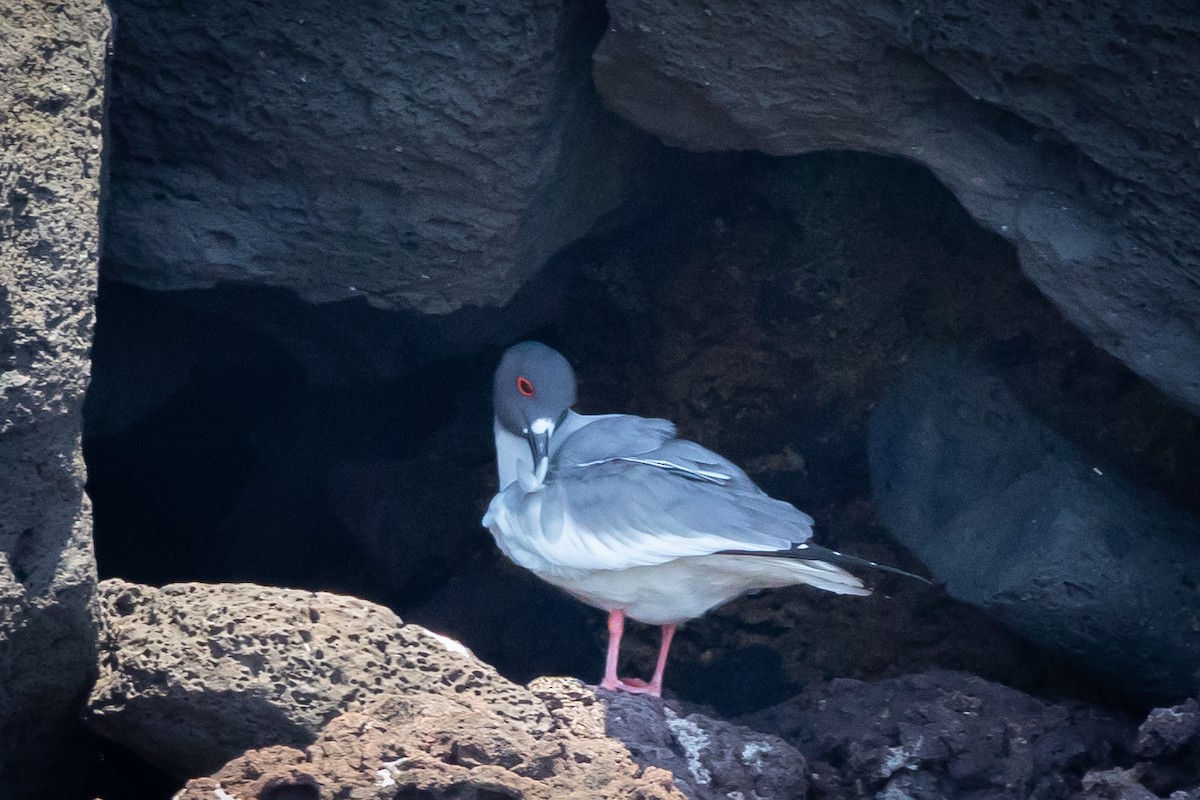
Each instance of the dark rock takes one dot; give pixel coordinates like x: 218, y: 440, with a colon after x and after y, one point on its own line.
x: 712, y: 759
x: 1166, y: 731
x: 1114, y: 784
x: 1168, y: 746
x: 51, y: 101
x: 942, y: 734
x: 426, y: 156
x: 1016, y: 520
x: 1070, y: 131
x: 765, y: 314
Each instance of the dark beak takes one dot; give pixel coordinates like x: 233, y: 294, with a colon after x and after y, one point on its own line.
x: 538, y: 436
x: 539, y: 445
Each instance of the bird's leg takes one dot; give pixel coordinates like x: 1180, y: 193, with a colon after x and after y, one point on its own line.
x: 616, y: 626
x: 654, y: 687
x: 668, y: 633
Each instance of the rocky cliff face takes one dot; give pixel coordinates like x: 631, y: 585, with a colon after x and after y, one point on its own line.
x: 421, y: 156
x: 1069, y: 131
x: 324, y: 221
x: 51, y: 93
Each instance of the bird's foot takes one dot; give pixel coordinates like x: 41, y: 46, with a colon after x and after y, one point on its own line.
x: 631, y: 685
x: 638, y: 686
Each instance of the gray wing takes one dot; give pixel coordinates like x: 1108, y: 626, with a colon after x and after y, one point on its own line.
x: 624, y: 512
x: 613, y: 435
x: 650, y: 442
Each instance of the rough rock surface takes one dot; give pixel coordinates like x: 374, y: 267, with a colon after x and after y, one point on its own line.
x: 422, y: 155
x: 358, y: 756
x: 51, y: 93
x: 385, y: 754
x: 1015, y: 519
x: 250, y: 666
x: 1168, y: 751
x: 1071, y: 131
x: 942, y: 734
x: 714, y: 759
x: 339, y: 690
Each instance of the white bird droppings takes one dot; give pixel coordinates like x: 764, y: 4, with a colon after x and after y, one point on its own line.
x: 753, y: 752
x: 693, y: 740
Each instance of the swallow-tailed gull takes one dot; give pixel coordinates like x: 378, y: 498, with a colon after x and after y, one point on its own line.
x: 617, y: 511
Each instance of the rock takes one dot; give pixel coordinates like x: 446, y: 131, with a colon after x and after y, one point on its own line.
x: 357, y: 756
x: 1071, y: 132
x: 1167, y: 731
x: 942, y: 734
x: 249, y: 666
x: 397, y: 748
x: 1016, y: 520
x: 714, y: 759
x: 266, y: 688
x: 428, y: 157
x: 1114, y: 784
x: 51, y: 100
x: 195, y: 675
x: 1168, y: 746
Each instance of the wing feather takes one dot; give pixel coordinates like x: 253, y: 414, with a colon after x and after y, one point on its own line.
x: 621, y: 514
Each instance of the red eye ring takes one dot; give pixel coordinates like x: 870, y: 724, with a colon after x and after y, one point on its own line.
x: 524, y: 386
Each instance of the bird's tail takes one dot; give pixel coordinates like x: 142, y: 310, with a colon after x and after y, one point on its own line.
x: 815, y: 553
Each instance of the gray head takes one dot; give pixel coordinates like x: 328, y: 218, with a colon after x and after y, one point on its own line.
x: 532, y: 382
x: 533, y: 388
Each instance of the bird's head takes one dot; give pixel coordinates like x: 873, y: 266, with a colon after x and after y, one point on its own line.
x: 534, y: 386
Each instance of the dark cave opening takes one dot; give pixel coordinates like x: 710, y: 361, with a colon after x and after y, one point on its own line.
x: 763, y: 304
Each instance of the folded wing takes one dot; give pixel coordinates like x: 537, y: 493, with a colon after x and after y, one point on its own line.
x: 619, y: 510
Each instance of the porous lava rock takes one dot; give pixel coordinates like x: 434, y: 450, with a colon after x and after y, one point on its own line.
x: 249, y: 666
x: 943, y: 734
x: 360, y: 757
x: 51, y: 100
x: 1017, y: 520
x: 1072, y: 131
x: 263, y: 689
x: 423, y: 155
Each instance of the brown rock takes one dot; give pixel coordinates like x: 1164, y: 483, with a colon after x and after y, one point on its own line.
x: 311, y: 694
x: 192, y: 675
x: 358, y: 757
x: 51, y: 95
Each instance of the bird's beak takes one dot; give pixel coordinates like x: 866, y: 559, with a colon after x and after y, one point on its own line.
x: 538, y: 434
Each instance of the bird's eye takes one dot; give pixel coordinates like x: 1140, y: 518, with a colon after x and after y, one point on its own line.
x: 524, y: 386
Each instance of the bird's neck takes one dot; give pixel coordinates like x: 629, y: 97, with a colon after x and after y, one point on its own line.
x: 513, y: 458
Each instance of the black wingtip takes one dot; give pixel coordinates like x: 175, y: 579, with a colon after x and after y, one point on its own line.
x: 815, y: 552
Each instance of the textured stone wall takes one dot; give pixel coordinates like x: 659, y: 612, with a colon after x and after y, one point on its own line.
x: 1069, y: 129
x: 421, y: 155
x: 51, y: 94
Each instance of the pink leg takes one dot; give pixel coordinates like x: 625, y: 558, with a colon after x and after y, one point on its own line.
x: 668, y: 633
x: 616, y: 627
x: 654, y: 687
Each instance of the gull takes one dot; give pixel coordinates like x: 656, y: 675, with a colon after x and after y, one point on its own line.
x: 623, y: 515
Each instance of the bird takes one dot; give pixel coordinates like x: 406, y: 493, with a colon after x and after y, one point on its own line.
x: 623, y: 515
